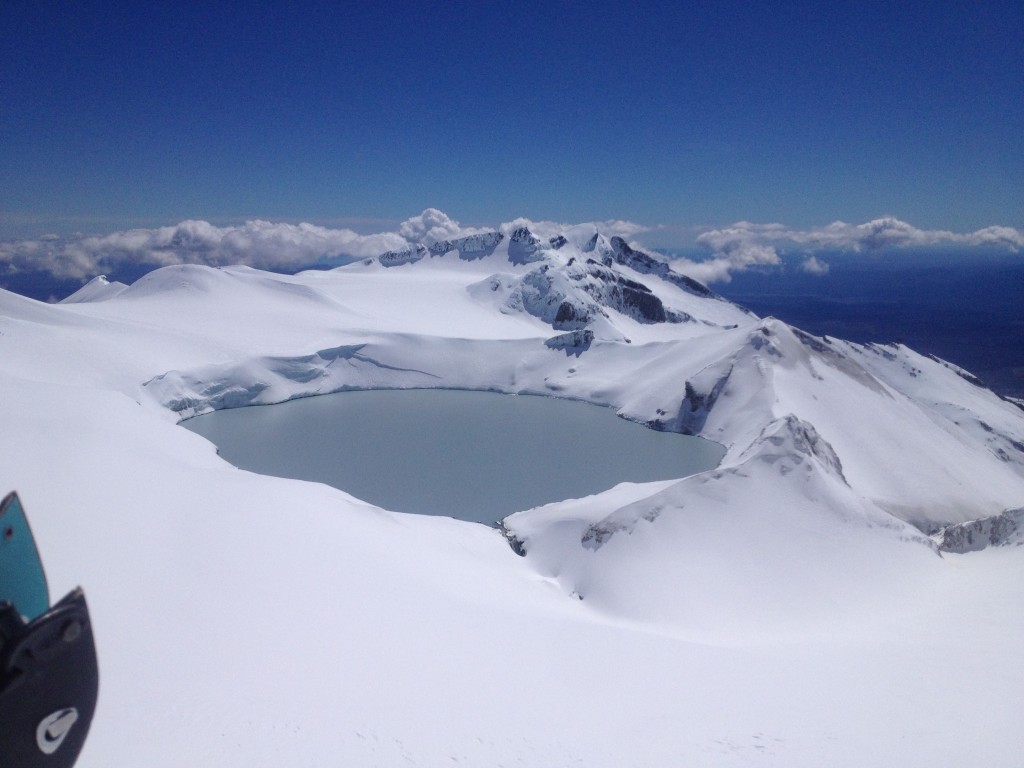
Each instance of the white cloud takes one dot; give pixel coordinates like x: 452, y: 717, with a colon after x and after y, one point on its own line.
x: 886, y: 232
x: 814, y: 266
x: 433, y: 226
x: 256, y: 243
x: 269, y: 245
x: 261, y: 244
x: 1006, y: 236
x: 736, y: 248
x: 745, y: 244
x: 620, y: 228
x: 548, y: 229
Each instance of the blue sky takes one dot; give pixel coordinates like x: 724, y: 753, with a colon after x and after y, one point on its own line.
x: 687, y: 115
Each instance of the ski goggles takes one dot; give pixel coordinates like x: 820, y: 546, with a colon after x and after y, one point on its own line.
x: 49, y: 679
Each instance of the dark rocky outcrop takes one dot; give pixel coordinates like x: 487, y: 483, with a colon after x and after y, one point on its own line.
x: 524, y: 247
x: 574, y: 343
x: 646, y: 264
x: 470, y: 247
x: 397, y: 258
x: 612, y: 289
x: 1006, y: 529
x: 696, y: 405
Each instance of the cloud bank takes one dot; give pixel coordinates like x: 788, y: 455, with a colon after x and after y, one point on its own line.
x: 744, y: 244
x: 261, y: 244
x: 284, y: 247
x: 547, y: 229
x: 257, y: 243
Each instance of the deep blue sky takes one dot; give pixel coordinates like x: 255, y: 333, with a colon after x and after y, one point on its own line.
x: 684, y: 114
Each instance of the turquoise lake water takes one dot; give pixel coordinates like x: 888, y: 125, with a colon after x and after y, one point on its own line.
x: 475, y: 456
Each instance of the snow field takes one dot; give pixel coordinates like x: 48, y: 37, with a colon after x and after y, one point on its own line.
x: 779, y: 610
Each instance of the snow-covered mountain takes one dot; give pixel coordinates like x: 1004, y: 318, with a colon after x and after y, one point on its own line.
x: 785, y: 608
x: 97, y: 289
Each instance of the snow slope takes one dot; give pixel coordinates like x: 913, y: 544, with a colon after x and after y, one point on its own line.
x: 787, y: 608
x: 97, y: 289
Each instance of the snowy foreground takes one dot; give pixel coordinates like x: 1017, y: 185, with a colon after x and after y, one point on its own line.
x: 790, y: 608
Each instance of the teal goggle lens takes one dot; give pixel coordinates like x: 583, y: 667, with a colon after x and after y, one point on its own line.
x: 22, y: 579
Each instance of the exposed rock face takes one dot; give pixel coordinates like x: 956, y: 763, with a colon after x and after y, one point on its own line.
x: 597, y: 535
x: 789, y: 441
x: 470, y: 247
x: 646, y: 264
x: 573, y: 315
x: 627, y: 296
x: 575, y: 342
x: 524, y: 247
x: 397, y: 258
x: 573, y: 295
x: 697, y: 405
x: 518, y: 545
x: 1002, y: 530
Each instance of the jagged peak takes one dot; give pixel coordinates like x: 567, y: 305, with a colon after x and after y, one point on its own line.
x: 575, y: 293
x: 524, y: 247
x: 788, y: 438
x: 765, y: 337
x: 473, y: 246
x: 523, y: 234
x: 623, y: 253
